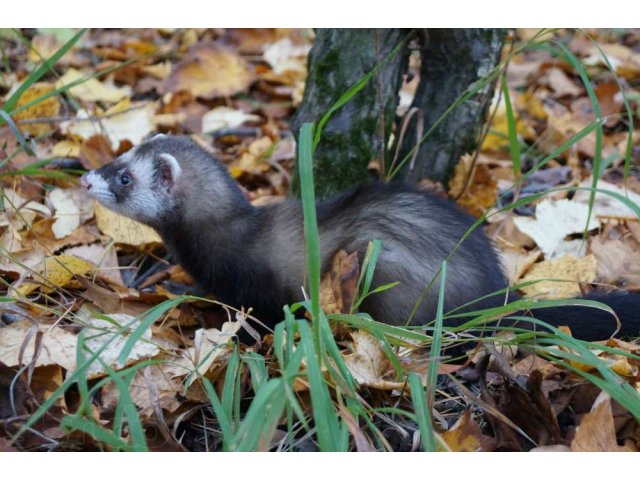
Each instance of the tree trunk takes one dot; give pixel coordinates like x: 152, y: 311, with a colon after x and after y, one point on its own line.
x: 356, y: 133
x: 452, y: 60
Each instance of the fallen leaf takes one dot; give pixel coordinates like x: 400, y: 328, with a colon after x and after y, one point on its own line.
x: 618, y: 262
x: 132, y: 124
x: 209, y: 345
x: 286, y: 57
x: 92, y: 89
x: 66, y: 148
x: 555, y: 219
x: 150, y: 387
x: 124, y: 230
x: 103, y: 257
x: 517, y: 262
x: 623, y: 59
x: 338, y: 286
x: 498, y: 136
x: 210, y: 71
x: 49, y: 107
x: 224, y: 117
x: 71, y: 207
x: 58, y: 347
x: 466, y: 436
x: 606, y: 205
x: 596, y: 432
x: 102, y: 334
x: 55, y: 271
x: 255, y: 158
x: 561, y: 84
x: 368, y: 362
x: 476, y: 194
x: 567, y: 268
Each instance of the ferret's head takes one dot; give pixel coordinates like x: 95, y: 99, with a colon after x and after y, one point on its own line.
x: 140, y: 183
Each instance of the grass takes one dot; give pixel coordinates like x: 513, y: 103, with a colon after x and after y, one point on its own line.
x: 259, y: 394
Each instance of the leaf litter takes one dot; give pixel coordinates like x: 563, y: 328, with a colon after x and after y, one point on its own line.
x: 234, y: 92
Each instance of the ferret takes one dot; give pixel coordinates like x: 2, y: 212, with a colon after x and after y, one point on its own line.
x: 253, y: 257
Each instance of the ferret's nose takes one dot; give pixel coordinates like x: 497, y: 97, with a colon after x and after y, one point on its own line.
x: 85, y: 182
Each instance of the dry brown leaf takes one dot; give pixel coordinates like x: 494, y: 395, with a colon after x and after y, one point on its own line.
x: 58, y: 345
x: 209, y: 345
x: 46, y: 380
x: 43, y: 46
x: 338, y: 285
x: 368, y: 363
x: 618, y: 262
x: 124, y: 230
x: 596, y: 432
x: 561, y: 84
x: 623, y: 59
x: 517, y: 262
x: 466, y: 436
x: 566, y: 268
x: 43, y: 237
x: 606, y: 205
x: 210, y: 71
x: 101, y: 333
x: 150, y: 387
x: 254, y: 159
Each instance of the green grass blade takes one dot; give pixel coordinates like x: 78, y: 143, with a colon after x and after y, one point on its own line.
x: 101, y: 434
x: 324, y: 413
x: 146, y: 320
x: 311, y: 235
x: 257, y: 429
x: 434, y: 354
x: 39, y: 72
x: 514, y: 144
x: 593, y: 98
x: 423, y: 413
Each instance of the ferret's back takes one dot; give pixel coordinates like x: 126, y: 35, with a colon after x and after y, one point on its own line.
x: 418, y: 231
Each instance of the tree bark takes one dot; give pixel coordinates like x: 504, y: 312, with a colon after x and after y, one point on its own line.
x: 356, y: 134
x: 452, y: 60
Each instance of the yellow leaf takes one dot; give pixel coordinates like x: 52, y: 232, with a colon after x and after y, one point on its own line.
x: 92, y: 89
x: 566, y: 268
x: 56, y: 271
x: 123, y: 229
x: 49, y: 107
x: 66, y: 148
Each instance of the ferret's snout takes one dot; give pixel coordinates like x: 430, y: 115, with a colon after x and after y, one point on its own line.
x: 84, y: 181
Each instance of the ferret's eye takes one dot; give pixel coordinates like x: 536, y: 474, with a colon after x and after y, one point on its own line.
x: 125, y: 179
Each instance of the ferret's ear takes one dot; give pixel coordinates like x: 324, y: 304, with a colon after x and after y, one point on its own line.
x: 170, y: 170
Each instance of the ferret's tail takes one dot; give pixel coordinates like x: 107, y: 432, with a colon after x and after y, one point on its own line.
x: 591, y: 324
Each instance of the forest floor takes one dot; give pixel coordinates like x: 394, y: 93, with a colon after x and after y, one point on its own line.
x: 74, y: 273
